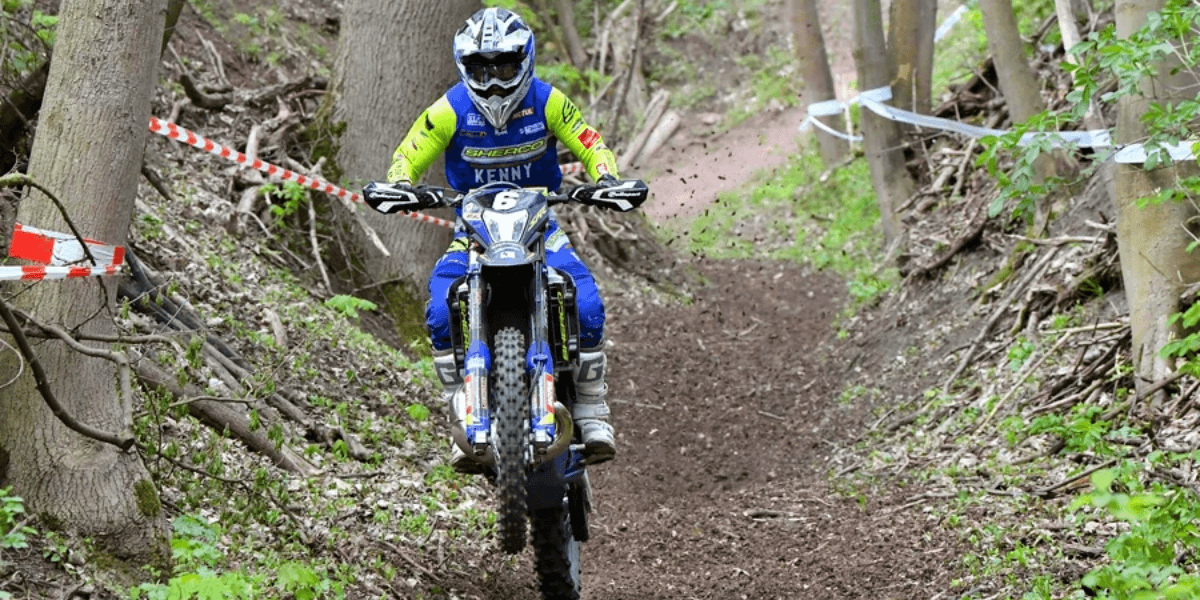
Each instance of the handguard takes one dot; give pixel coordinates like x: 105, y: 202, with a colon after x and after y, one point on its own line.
x: 622, y: 195
x: 391, y: 198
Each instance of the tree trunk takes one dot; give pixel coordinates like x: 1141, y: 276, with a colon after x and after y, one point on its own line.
x: 394, y: 60
x: 88, y: 150
x: 1068, y: 25
x: 910, y: 45
x: 881, y: 137
x: 566, y: 20
x: 1021, y: 88
x: 818, y: 81
x: 1018, y: 84
x: 1155, y: 264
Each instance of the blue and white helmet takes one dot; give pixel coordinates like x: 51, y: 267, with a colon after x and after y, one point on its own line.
x: 494, y: 55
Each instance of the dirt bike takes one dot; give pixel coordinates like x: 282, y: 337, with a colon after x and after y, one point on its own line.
x: 515, y: 334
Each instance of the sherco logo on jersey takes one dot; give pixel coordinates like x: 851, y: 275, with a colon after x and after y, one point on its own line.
x: 505, y: 155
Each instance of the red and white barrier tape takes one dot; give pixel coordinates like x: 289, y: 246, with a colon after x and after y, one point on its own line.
x: 177, y: 133
x: 57, y: 251
x: 49, y: 273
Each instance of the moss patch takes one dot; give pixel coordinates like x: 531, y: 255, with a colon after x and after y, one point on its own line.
x: 407, y: 308
x: 147, y: 498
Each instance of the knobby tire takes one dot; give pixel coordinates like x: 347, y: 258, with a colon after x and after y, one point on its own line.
x: 510, y: 414
x: 556, y: 554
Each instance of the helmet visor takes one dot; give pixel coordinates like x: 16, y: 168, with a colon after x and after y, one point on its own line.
x: 500, y: 69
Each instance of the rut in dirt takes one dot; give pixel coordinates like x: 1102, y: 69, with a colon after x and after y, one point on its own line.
x: 726, y: 411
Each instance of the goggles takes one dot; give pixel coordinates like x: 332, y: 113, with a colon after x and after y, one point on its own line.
x: 501, y: 69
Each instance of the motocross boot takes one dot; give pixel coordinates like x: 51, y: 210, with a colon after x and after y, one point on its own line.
x: 590, y: 411
x: 447, y: 371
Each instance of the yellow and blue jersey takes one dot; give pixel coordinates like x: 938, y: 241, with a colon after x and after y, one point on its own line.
x: 524, y: 152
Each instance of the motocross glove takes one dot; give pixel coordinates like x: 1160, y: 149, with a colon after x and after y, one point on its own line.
x: 612, y: 193
x: 391, y: 198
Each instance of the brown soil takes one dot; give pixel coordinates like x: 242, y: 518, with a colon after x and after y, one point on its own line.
x: 727, y: 420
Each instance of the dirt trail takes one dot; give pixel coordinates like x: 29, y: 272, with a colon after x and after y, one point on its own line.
x: 727, y: 416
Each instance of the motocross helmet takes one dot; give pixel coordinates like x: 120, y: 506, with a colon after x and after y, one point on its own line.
x: 494, y: 54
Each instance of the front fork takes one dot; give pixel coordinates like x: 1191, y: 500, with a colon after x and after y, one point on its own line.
x: 477, y: 363
x: 550, y: 423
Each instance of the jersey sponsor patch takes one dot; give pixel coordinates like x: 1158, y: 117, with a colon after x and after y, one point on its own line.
x: 535, y: 128
x: 521, y: 114
x: 589, y: 137
x: 505, y: 155
x: 474, y: 119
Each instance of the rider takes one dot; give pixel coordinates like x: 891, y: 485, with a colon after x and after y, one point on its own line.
x: 501, y: 123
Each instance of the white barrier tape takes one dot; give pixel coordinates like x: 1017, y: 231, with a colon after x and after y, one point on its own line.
x: 59, y: 249
x: 1136, y: 153
x: 836, y: 133
x: 950, y: 22
x: 177, y: 133
x: 1099, y: 138
x: 50, y: 273
x: 826, y: 108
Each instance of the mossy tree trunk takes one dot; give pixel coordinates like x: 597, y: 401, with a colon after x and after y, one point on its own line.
x: 1155, y: 264
x: 881, y: 138
x: 394, y: 59
x: 88, y: 151
x: 818, y: 81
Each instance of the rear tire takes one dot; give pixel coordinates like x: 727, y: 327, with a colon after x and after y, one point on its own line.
x: 556, y: 554
x: 510, y: 417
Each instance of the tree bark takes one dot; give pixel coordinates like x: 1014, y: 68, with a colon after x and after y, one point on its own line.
x: 1021, y: 88
x: 394, y: 60
x: 1155, y: 264
x: 88, y: 150
x: 566, y: 20
x: 881, y: 137
x: 818, y: 81
x: 910, y: 46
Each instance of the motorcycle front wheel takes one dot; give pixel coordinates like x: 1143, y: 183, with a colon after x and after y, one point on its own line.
x: 510, y: 410
x: 556, y: 553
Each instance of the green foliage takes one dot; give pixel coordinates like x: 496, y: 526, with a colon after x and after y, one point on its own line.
x: 1147, y: 559
x: 418, y: 412
x: 570, y: 79
x: 828, y: 220
x: 292, y: 194
x: 13, y: 532
x: 349, y: 306
x: 27, y: 35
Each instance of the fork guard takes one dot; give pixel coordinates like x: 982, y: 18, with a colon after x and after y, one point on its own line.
x: 564, y: 426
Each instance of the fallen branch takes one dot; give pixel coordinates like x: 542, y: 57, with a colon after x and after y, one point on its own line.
x: 221, y: 417
x: 201, y: 99
x: 1032, y: 274
x: 974, y: 230
x: 43, y: 387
